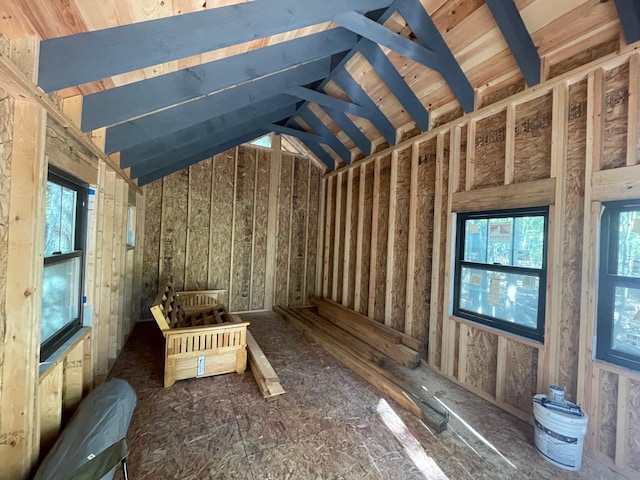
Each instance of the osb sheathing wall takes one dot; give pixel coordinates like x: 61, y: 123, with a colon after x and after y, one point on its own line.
x: 388, y: 240
x: 244, y: 221
x: 36, y: 398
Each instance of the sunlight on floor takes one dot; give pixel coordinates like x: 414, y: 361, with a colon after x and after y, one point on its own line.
x: 474, y: 431
x: 428, y: 467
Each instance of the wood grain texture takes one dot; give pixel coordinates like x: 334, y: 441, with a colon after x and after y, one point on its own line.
x: 174, y: 227
x: 490, y: 151
x: 633, y: 443
x: 482, y: 349
x: 341, y: 222
x: 329, y: 235
x: 607, y: 413
x: 616, y: 109
x: 521, y: 375
x: 463, y: 160
x: 66, y: 153
x: 284, y: 226
x: 532, y: 154
x: 424, y: 240
x: 366, y: 240
x: 401, y: 241
x: 297, y: 248
x: 312, y: 233
x: 221, y: 221
x: 584, y: 57
x: 573, y: 232
x: 261, y: 209
x: 499, y: 92
x: 239, y: 294
x: 353, y: 238
x: 197, y: 262
x: 382, y: 240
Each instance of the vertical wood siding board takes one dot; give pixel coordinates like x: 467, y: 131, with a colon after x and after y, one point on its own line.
x: 284, y: 230
x: 501, y: 368
x: 391, y: 231
x: 462, y: 354
x: 25, y: 167
x: 622, y: 423
x: 359, y: 239
x: 314, y: 236
x: 471, y: 155
x: 307, y: 203
x: 188, y: 231
x: 126, y: 317
x: 383, y: 240
x: 615, y: 117
x: 115, y: 320
x: 102, y: 352
x: 411, y: 250
x: 373, y: 274
x: 633, y: 121
x: 272, y: 225
x: 336, y: 237
x: 253, y: 230
x: 435, y: 263
x: 259, y: 278
x: 139, y: 256
x: 212, y: 219
x: 401, y: 240
x: 297, y: 241
x: 320, y: 240
x: 95, y: 324
x: 510, y: 145
x: 291, y: 222
x: 328, y: 183
x: 368, y: 170
x: 347, y: 238
x: 556, y: 234
x: 232, y: 287
x: 449, y: 326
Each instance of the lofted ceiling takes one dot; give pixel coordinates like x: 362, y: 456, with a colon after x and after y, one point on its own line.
x: 177, y: 81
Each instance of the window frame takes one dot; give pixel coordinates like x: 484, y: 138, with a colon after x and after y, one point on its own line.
x: 536, y: 334
x: 607, y: 282
x: 59, y: 177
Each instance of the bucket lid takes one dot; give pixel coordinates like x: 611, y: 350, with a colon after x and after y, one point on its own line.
x: 570, y: 411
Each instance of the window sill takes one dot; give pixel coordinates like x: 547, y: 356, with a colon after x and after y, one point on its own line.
x: 59, y: 355
x: 501, y: 333
x: 617, y: 369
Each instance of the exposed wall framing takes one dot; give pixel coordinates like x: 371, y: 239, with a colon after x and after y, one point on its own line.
x: 525, y: 150
x: 215, y: 229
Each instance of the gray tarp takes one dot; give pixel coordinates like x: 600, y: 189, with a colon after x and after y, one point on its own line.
x: 101, y: 420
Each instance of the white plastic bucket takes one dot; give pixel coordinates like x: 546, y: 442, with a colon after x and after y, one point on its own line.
x: 559, y: 436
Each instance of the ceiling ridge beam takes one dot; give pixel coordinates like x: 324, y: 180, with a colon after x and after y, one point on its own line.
x: 629, y: 13
x: 377, y: 33
x: 239, y: 125
x: 85, y: 57
x: 212, y: 126
x: 514, y: 31
x: 198, y: 157
x: 428, y: 34
x: 122, y: 103
x: 398, y: 86
x: 143, y: 129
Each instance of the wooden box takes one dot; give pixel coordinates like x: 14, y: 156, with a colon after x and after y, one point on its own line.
x: 201, y: 338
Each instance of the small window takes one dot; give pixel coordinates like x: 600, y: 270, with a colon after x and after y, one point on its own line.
x: 618, y: 322
x: 63, y: 262
x: 264, y: 141
x: 500, y: 270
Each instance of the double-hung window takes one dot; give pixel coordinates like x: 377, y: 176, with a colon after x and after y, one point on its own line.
x: 618, y: 317
x: 500, y: 269
x: 63, y: 262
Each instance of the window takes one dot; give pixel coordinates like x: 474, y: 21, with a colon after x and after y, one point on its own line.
x: 618, y: 321
x: 63, y: 262
x: 500, y: 270
x: 264, y: 141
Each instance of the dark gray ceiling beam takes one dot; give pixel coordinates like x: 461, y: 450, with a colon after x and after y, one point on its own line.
x: 325, y: 100
x: 427, y: 33
x: 629, y: 13
x: 329, y: 137
x: 316, y: 149
x: 392, y: 78
x: 352, y: 131
x: 355, y: 91
x: 377, y: 33
x: 300, y: 134
x: 127, y: 101
x: 164, y: 122
x: 158, y: 146
x: 514, y: 31
x: 182, y: 163
x: 85, y: 57
x: 241, y: 124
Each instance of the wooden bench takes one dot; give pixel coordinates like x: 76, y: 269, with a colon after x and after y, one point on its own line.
x: 201, y: 338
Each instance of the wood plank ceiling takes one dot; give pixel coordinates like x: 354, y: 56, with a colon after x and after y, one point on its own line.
x: 176, y: 81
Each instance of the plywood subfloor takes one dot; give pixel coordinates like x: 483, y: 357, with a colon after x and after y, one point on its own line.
x: 329, y: 424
